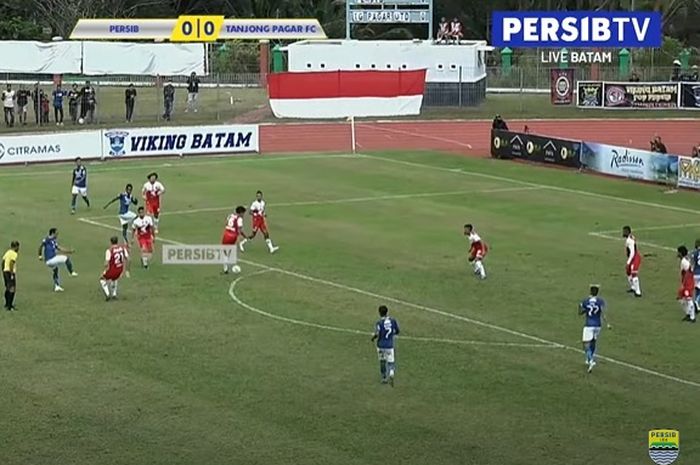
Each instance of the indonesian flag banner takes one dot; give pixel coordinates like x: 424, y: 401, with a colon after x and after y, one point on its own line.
x: 342, y: 94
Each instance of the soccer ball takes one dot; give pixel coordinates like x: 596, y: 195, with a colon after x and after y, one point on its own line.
x: 236, y: 269
x: 81, y: 121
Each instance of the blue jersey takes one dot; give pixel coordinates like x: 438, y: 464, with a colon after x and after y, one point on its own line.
x: 593, y: 308
x: 80, y: 176
x: 50, y: 245
x: 58, y: 97
x: 125, y: 201
x: 696, y: 262
x: 386, y: 328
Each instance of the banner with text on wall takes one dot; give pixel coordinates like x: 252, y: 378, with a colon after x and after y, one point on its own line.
x: 630, y: 163
x: 537, y: 148
x: 689, y: 172
x: 634, y: 95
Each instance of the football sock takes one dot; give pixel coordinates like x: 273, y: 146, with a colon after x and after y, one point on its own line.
x: 105, y: 287
x: 155, y: 222
x: 114, y: 288
x: 592, y: 346
x: 11, y: 299
x: 69, y: 266
x: 589, y: 354
x: 479, y: 268
x: 382, y: 369
x: 56, y: 282
x: 87, y: 201
x: 269, y: 244
x: 635, y: 285
x: 73, y: 202
x: 7, y: 299
x: 690, y: 309
x: 243, y: 242
x: 144, y: 260
x: 392, y: 368
x: 125, y: 228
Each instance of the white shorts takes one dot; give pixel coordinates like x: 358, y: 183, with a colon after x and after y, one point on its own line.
x: 127, y: 218
x: 385, y: 355
x: 590, y: 333
x: 79, y: 190
x: 56, y: 260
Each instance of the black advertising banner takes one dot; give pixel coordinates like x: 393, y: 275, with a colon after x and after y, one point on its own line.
x: 690, y: 95
x: 644, y: 95
x: 542, y: 149
x: 561, y: 86
x: 589, y: 94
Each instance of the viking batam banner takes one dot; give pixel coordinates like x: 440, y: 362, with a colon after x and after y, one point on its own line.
x: 636, y: 95
x: 689, y: 172
x: 589, y: 94
x: 531, y: 147
x: 562, y: 86
x: 690, y: 95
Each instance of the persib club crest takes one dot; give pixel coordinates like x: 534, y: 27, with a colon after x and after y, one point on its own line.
x: 664, y: 446
x: 117, y: 142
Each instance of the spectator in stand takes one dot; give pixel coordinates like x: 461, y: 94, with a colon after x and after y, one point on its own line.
x: 657, y: 145
x: 695, y: 152
x: 694, y: 74
x: 8, y: 104
x: 443, y: 34
x: 130, y: 100
x: 676, y: 73
x: 168, y: 99
x: 36, y: 103
x: 456, y: 33
x: 58, y: 96
x: 44, y: 104
x: 192, y: 92
x: 88, y: 101
x: 499, y: 123
x: 634, y: 77
x: 22, y: 103
x: 73, y: 101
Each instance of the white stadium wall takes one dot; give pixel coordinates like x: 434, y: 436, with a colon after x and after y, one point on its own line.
x: 455, y: 72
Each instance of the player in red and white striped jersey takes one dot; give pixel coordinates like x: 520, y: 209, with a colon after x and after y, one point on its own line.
x: 257, y: 210
x: 116, y: 261
x: 232, y: 230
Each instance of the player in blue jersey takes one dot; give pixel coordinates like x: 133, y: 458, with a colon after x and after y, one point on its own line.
x: 78, y: 185
x: 593, y: 308
x: 695, y: 263
x: 384, y: 332
x: 126, y: 216
x: 54, y: 255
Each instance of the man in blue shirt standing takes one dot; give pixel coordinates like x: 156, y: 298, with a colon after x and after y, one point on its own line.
x: 58, y: 96
x: 126, y: 216
x: 79, y: 185
x: 592, y: 307
x: 384, y: 332
x: 49, y: 253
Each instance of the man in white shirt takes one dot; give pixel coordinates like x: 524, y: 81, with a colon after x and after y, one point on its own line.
x: 8, y: 103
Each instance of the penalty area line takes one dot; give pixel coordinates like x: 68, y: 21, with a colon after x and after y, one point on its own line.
x: 610, y: 360
x: 620, y: 239
x: 236, y: 298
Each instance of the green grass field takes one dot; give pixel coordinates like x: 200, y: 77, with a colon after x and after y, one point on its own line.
x: 275, y: 365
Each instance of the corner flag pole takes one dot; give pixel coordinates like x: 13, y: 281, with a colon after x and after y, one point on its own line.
x: 352, y: 135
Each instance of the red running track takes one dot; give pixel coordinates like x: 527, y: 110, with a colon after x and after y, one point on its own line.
x: 470, y: 137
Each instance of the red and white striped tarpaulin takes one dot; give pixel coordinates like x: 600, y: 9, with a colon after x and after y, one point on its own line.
x: 342, y: 94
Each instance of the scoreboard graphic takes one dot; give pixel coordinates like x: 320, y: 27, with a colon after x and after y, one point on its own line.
x: 206, y: 28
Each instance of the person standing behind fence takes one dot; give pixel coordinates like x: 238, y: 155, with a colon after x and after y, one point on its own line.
x: 58, y: 95
x: 192, y: 92
x: 73, y: 101
x: 44, y: 104
x: 8, y: 103
x: 36, y: 103
x: 87, y: 102
x: 130, y: 100
x: 22, y: 104
x: 168, y: 99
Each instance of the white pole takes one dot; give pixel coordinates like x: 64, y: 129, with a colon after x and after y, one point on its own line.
x: 352, y: 134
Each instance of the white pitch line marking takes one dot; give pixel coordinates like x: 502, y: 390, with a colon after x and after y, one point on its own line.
x: 416, y: 134
x: 620, y: 239
x: 633, y: 367
x: 94, y: 165
x: 239, y: 301
x: 533, y: 184
x: 377, y: 198
x: 652, y: 228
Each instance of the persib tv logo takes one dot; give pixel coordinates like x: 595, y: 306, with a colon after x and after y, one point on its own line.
x: 639, y: 29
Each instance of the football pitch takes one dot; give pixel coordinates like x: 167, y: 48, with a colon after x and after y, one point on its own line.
x: 275, y: 365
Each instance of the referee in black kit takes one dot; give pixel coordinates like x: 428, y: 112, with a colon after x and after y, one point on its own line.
x: 9, y: 275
